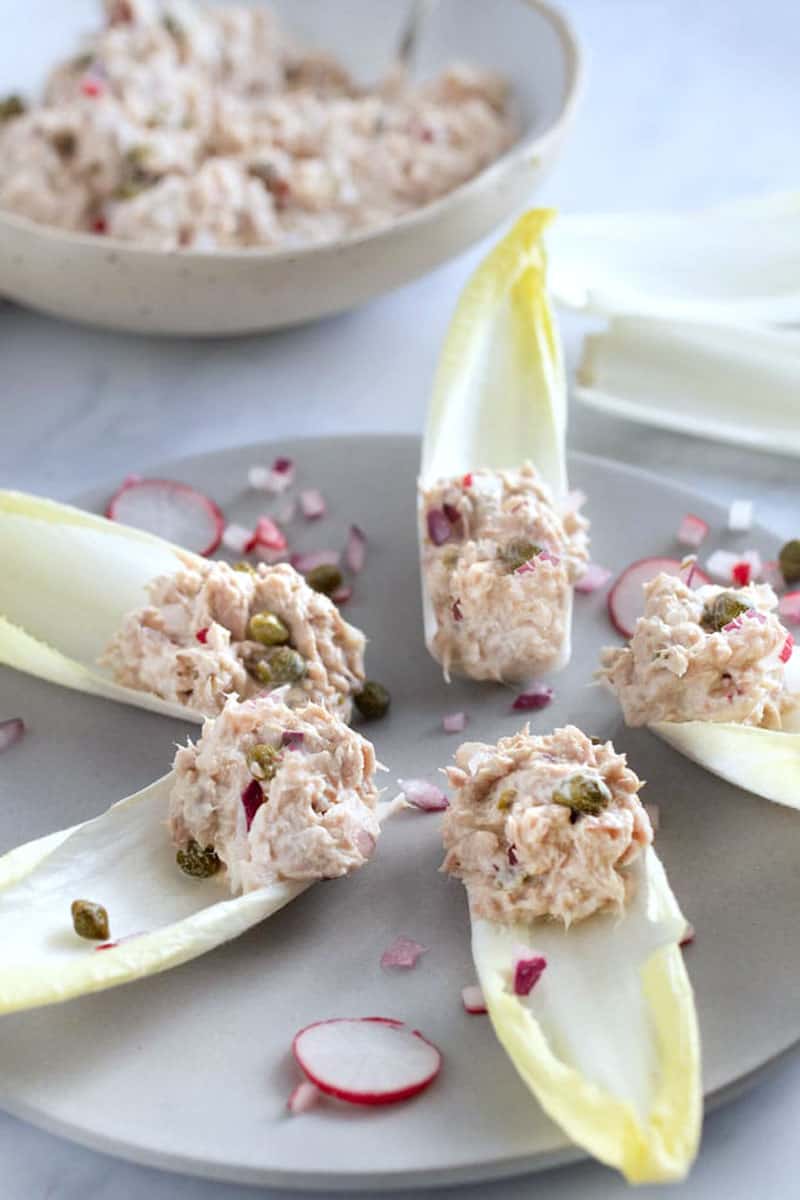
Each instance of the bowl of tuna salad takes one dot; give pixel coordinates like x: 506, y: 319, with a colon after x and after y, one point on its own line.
x: 192, y: 167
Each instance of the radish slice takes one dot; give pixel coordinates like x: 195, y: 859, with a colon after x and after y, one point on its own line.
x: 236, y: 538
x: 593, y: 578
x: 368, y: 1060
x: 266, y: 535
x: 473, y: 1000
x: 355, y: 554
x: 11, y: 732
x: 404, y: 952
x: 173, y: 511
x: 692, y: 531
x: 789, y: 608
x: 455, y: 722
x: 720, y: 565
x: 312, y: 504
x: 424, y: 795
x: 626, y: 598
x: 740, y: 516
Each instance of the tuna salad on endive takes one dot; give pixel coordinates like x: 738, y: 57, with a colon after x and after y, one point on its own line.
x: 272, y: 793
x: 499, y: 563
x: 211, y: 630
x: 543, y: 826
x: 187, y: 125
x: 704, y: 654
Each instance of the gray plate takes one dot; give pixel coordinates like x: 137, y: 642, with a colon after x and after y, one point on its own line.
x: 190, y: 1070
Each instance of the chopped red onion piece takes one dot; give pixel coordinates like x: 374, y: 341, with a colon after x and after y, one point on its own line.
x: 473, y: 1000
x: 740, y: 516
x: 423, y: 795
x: 404, y: 952
x: 292, y: 739
x: 236, y: 538
x: 317, y: 558
x: 355, y: 554
x: 527, y: 971
x: 365, y: 842
x: 511, y: 855
x: 593, y: 578
x: 755, y: 615
x: 266, y: 535
x: 456, y: 610
x: 304, y: 1097
x: 202, y: 635
x: 789, y: 608
x: 788, y: 647
x: 740, y: 573
x: 546, y: 556
x: 439, y: 528
x: 252, y: 799
x: 283, y: 466
x: 692, y: 531
x: 312, y: 504
x: 736, y: 623
x: 536, y: 697
x: 654, y: 813
x: 452, y: 513
x: 454, y: 722
x: 526, y: 568
x: 274, y: 479
x: 688, y: 935
x: 342, y: 594
x: 11, y: 731
x: 720, y: 565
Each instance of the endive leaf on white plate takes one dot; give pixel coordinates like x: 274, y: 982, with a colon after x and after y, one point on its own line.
x: 737, y: 262
x: 607, y: 1041
x: 724, y: 382
x: 123, y: 860
x: 68, y: 578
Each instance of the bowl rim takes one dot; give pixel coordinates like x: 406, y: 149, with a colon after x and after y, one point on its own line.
x: 516, y: 156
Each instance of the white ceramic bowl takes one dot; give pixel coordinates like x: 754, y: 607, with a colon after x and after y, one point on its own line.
x: 116, y: 284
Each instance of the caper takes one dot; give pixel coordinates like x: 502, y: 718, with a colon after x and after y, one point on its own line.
x: 283, y: 665
x: 135, y: 175
x: 789, y: 560
x: 325, y: 578
x: 723, y: 608
x: 506, y: 799
x: 373, y: 700
x: 82, y: 62
x: 247, y: 567
x: 173, y: 27
x: 197, y: 862
x: 90, y: 920
x: 582, y: 794
x: 268, y: 629
x: 12, y: 106
x: 263, y: 761
x: 516, y: 554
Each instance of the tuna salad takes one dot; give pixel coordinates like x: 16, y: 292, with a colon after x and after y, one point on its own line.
x: 499, y: 562
x: 274, y: 793
x: 703, y: 654
x: 212, y: 630
x: 183, y: 125
x: 543, y: 826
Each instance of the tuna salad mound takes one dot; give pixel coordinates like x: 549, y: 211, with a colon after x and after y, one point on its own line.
x: 273, y: 793
x: 543, y: 826
x: 499, y: 562
x: 703, y: 654
x: 211, y: 630
x: 182, y: 125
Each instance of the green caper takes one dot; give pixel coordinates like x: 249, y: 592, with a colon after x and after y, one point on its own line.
x: 283, y: 665
x: 789, y: 560
x: 325, y: 578
x: 583, y: 794
x: 263, y: 761
x: 506, y: 799
x: 12, y: 106
x: 268, y: 629
x: 82, y: 62
x: 90, y: 920
x: 373, y: 700
x: 136, y: 177
x: 246, y: 567
x: 723, y: 608
x: 197, y: 862
x: 517, y: 553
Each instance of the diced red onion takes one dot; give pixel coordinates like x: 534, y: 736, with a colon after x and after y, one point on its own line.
x: 789, y: 608
x: 304, y: 1097
x: 252, y: 799
x: 546, y: 556
x: 365, y: 842
x: 527, y: 971
x: 202, y: 635
x: 526, y: 568
x: 654, y: 813
x: 736, y: 623
x: 688, y: 935
x: 755, y: 615
x: 456, y: 611
x: 274, y: 479
x: 11, y: 731
x: 235, y: 538
x: 317, y: 558
x: 593, y: 578
x: 467, y: 481
x: 788, y: 647
x: 740, y: 573
x: 452, y: 513
x: 266, y: 535
x: 536, y: 697
x: 342, y: 594
x: 312, y: 504
x: 355, y: 554
x: 473, y: 1000
x: 511, y: 855
x: 292, y: 739
x: 740, y: 516
x: 720, y: 565
x: 692, y: 531
x: 439, y: 528
x: 404, y: 952
x: 423, y: 795
x: 454, y: 722
x: 283, y: 466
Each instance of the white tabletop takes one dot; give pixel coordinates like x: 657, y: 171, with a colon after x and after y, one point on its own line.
x: 688, y: 103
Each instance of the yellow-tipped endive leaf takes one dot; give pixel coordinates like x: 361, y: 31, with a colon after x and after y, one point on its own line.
x: 500, y: 393
x: 68, y: 578
x: 123, y: 860
x: 730, y: 383
x: 737, y: 262
x: 607, y: 1041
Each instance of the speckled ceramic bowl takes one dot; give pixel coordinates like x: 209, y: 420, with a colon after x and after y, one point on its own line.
x: 107, y: 282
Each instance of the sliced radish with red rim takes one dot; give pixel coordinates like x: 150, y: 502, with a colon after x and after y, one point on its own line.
x: 174, y: 511
x: 626, y: 598
x: 366, y: 1060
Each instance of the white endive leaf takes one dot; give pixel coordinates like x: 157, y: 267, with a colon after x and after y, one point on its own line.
x: 123, y: 860
x: 68, y: 579
x: 724, y: 382
x: 737, y: 262
x: 607, y: 1041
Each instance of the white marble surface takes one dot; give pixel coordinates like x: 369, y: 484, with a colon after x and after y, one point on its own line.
x: 688, y: 103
